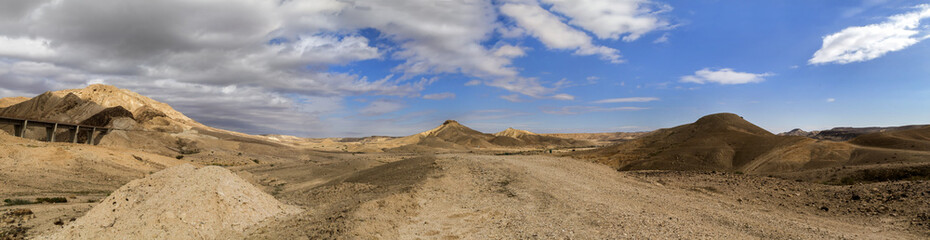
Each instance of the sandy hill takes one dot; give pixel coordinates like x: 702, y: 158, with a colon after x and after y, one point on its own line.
x: 722, y: 141
x: 181, y: 202
x: 799, y: 133
x: 452, y: 135
x: 9, y: 101
x: 100, y: 104
x: 514, y: 133
x: 144, y: 124
x: 516, y: 137
x: 600, y: 138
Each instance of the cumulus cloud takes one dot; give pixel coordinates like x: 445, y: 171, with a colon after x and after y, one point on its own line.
x: 628, y: 100
x: 439, y: 96
x: 724, y: 76
x: 610, y: 19
x: 509, y: 51
x: 863, y: 43
x: 571, y: 110
x: 529, y: 87
x: 548, y: 28
x: 184, y: 52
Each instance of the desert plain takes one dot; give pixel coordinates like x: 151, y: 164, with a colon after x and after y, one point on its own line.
x: 157, y: 174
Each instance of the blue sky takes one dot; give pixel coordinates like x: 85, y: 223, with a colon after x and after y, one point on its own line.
x: 329, y: 68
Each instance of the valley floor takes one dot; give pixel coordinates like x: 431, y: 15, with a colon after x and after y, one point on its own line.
x: 473, y: 196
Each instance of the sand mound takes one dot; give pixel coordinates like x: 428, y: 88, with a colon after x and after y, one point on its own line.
x: 181, y: 202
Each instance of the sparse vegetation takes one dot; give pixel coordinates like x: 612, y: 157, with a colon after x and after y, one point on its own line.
x: 52, y: 200
x: 13, y: 202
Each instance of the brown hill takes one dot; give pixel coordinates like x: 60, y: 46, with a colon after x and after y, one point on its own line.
x: 912, y: 138
x: 516, y: 137
x: 722, y: 141
x: 452, y: 135
x: 80, y: 105
x: 600, y: 138
x: 449, y: 135
x: 142, y: 123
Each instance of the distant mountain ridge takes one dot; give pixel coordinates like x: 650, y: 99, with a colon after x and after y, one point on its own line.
x: 844, y: 133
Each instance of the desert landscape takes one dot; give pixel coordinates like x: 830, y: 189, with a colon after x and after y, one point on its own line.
x: 464, y: 119
x: 159, y: 174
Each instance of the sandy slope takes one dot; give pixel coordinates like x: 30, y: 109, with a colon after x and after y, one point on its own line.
x: 495, y: 197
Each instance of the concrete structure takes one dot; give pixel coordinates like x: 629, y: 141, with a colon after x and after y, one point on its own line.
x: 20, y: 126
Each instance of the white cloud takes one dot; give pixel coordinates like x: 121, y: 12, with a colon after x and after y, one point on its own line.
x: 609, y: 19
x: 628, y: 100
x: 563, y: 96
x: 529, y: 87
x: 831, y: 100
x: 23, y: 47
x: 724, y: 76
x: 439, y: 96
x: 863, y: 43
x: 662, y: 39
x: 555, y: 34
x: 183, y: 52
x: 571, y: 110
x: 509, y: 51
x: 513, y: 98
x: 381, y: 106
x: 473, y: 83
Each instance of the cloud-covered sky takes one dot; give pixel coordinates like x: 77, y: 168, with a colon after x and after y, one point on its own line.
x: 395, y: 67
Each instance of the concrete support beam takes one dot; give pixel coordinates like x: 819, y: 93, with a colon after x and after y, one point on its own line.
x: 50, y: 132
x: 20, y: 130
x: 90, y: 136
x: 74, y: 134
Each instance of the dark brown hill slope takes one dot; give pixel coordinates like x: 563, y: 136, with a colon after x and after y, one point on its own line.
x: 722, y: 141
x: 913, y: 139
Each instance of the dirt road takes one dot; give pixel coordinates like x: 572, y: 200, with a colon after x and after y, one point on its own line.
x: 505, y: 197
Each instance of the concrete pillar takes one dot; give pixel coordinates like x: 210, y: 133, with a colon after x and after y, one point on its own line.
x: 50, y: 132
x: 74, y: 134
x: 90, y: 137
x: 20, y: 130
